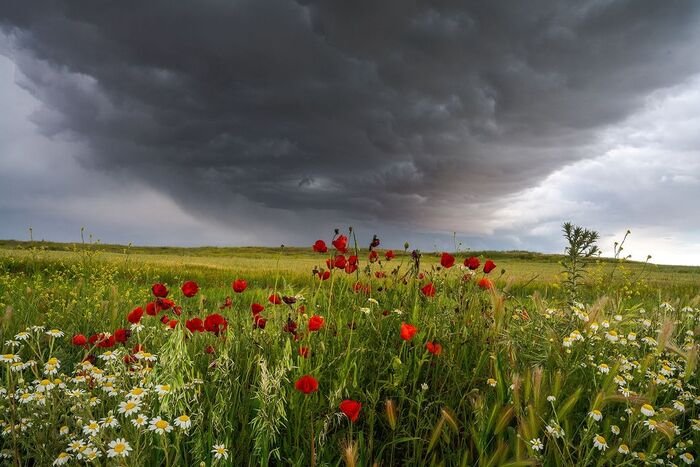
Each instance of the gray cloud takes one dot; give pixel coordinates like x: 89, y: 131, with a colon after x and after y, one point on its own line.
x: 414, y: 116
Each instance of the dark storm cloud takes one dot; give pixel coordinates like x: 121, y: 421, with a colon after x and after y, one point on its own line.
x: 359, y: 110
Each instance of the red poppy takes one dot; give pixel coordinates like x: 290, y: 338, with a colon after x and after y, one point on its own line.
x: 408, y: 331
x: 351, y: 409
x: 172, y: 323
x: 330, y: 263
x: 259, y: 322
x: 320, y: 246
x: 195, y: 325
x: 164, y: 304
x: 306, y: 384
x: 210, y: 350
x: 190, y: 289
x: 428, y: 290
x: 256, y: 308
x: 339, y: 262
x: 315, y: 323
x: 121, y: 335
x: 137, y: 348
x: 357, y: 287
x: 324, y: 276
x: 159, y: 290
x: 489, y: 266
x: 434, y: 348
x: 485, y: 283
x: 373, y: 256
x: 301, y: 309
x: 380, y: 274
x: 275, y: 299
x: 447, y: 260
x: 79, y: 339
x: 135, y: 315
x: 107, y: 342
x: 304, y: 352
x: 227, y: 303
x: 239, y: 285
x: 389, y: 255
x: 164, y: 319
x: 341, y: 243
x: 350, y: 268
x: 472, y: 262
x: 151, y: 309
x: 215, y: 323
x: 352, y: 260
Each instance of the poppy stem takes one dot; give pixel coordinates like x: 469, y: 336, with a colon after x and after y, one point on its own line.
x: 313, y: 443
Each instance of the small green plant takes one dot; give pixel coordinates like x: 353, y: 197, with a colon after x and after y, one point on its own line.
x: 582, y: 245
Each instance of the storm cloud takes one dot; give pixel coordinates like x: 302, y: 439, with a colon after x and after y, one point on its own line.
x: 409, y: 116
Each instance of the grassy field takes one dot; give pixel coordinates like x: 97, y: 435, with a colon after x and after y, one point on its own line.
x: 513, y: 374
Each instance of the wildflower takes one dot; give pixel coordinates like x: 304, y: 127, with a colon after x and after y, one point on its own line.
x: 118, y: 447
x: 604, y: 368
x: 92, y: 428
x: 320, y: 246
x: 351, y: 409
x: 44, y: 385
x: 489, y: 266
x: 9, y: 358
x: 447, y: 260
x: 64, y: 430
x: 137, y: 392
x: 215, y: 323
x: 160, y: 426
x: 615, y: 429
x: 596, y: 415
x: 159, y: 290
x: 485, y: 284
x: 139, y: 421
x: 109, y: 422
x: 195, y: 325
x: 79, y: 339
x: 428, y: 290
x: 687, y: 458
x: 632, y: 336
x: 623, y: 449
x: 536, y: 444
x: 306, y: 384
x: 424, y: 386
x: 220, y: 452
x: 239, y: 285
x: 22, y: 336
x: 389, y: 255
x: 679, y: 406
x: 183, y: 421
x: 651, y: 424
x: 190, y: 289
x: 612, y: 336
x: 600, y: 443
x: 62, y: 458
x: 551, y: 398
x: 648, y: 410
x: 472, y: 263
x: 365, y: 310
x: 408, y: 331
x: 134, y: 316
x: 434, y: 348
x: 54, y: 333
x: 162, y: 389
x: 567, y: 342
x: 315, y: 323
x: 491, y: 382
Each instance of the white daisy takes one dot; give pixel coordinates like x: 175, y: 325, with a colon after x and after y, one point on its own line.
x: 160, y: 426
x: 536, y: 444
x: 687, y: 458
x: 118, y: 447
x: 62, y: 458
x: 92, y: 428
x: 129, y: 407
x: 54, y: 333
x: 183, y: 421
x: 623, y: 449
x: 139, y: 421
x: 600, y: 443
x: 220, y: 451
x: 648, y: 410
x: 596, y: 415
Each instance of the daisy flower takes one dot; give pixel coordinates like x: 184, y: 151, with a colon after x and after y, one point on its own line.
x: 600, y: 443
x: 62, y: 458
x: 118, y: 447
x: 92, y: 428
x: 648, y: 410
x: 129, y: 407
x: 536, y: 444
x: 160, y: 426
x: 22, y: 336
x: 137, y: 392
x: 651, y: 424
x: 109, y: 422
x: 139, y: 421
x: 596, y: 415
x: 615, y: 429
x: 219, y: 451
x: 54, y: 333
x: 491, y: 382
x: 9, y: 358
x: 183, y: 421
x: 623, y: 449
x: 687, y: 458
x: 163, y: 389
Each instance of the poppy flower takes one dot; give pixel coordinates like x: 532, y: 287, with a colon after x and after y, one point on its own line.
x: 239, y: 285
x: 210, y: 350
x: 121, y: 335
x: 428, y: 290
x: 339, y: 262
x: 259, y: 322
x: 151, y: 309
x: 320, y: 246
x: 289, y: 299
x: 447, y: 260
x: 408, y: 331
x: 135, y: 315
x: 164, y: 319
x: 434, y: 348
x: 380, y: 274
x: 324, y: 276
x: 164, y: 304
x: 485, y: 283
x: 290, y: 326
x: 489, y: 266
x: 79, y: 339
x: 172, y: 323
x: 350, y: 268
x: 190, y: 289
x: 215, y: 323
x: 275, y: 299
x: 256, y: 308
x: 357, y: 287
x: 137, y: 348
x: 304, y: 352
x: 306, y: 384
x: 227, y: 303
x: 373, y: 256
x: 352, y: 260
x: 472, y: 262
x: 351, y: 409
x: 159, y: 290
x: 315, y: 323
x: 107, y: 342
x: 341, y: 243
x: 389, y: 255
x: 195, y: 325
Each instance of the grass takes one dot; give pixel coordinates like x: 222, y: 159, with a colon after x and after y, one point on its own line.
x: 518, y: 363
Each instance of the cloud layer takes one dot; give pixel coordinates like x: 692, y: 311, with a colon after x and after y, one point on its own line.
x: 246, y: 119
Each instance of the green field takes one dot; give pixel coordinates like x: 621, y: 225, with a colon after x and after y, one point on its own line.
x: 629, y: 341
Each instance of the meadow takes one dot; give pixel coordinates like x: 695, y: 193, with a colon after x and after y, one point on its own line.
x: 339, y: 355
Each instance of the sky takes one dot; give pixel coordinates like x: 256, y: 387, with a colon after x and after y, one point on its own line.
x: 486, y: 124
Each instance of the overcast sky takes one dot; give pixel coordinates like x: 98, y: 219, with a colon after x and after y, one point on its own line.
x: 255, y: 122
